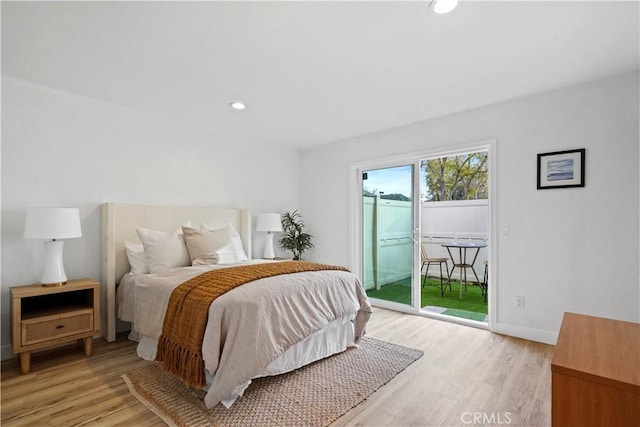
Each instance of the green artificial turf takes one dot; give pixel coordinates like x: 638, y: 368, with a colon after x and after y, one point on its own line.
x: 400, y: 291
x: 465, y: 314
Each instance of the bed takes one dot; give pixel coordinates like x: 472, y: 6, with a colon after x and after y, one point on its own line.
x: 265, y: 327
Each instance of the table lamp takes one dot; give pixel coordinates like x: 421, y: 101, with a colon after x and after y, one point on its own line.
x: 269, y: 222
x: 54, y: 224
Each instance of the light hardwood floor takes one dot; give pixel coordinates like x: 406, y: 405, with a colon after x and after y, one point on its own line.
x: 467, y: 376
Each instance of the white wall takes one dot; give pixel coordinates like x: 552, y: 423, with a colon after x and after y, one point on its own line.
x: 63, y: 150
x: 569, y: 249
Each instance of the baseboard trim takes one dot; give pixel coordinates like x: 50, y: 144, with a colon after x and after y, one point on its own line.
x: 530, y: 334
x: 6, y: 353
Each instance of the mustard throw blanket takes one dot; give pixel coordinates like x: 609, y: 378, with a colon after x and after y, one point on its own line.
x: 180, y: 345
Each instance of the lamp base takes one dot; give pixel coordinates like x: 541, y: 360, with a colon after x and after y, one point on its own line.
x: 53, y: 273
x: 268, y: 247
x: 50, y: 285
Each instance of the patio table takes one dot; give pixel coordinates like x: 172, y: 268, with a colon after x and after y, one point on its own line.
x: 462, y: 263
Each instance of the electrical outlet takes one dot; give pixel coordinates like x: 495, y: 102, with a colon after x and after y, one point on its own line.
x: 520, y: 302
x: 504, y: 232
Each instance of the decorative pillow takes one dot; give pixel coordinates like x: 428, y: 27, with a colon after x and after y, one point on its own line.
x: 137, y: 258
x: 236, y: 241
x: 209, y: 246
x: 163, y: 250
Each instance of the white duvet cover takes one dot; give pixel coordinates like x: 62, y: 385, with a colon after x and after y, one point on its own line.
x: 264, y: 327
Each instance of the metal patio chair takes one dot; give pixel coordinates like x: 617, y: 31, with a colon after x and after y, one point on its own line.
x: 426, y: 260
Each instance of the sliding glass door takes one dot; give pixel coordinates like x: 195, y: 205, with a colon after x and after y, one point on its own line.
x: 406, y: 214
x: 389, y: 234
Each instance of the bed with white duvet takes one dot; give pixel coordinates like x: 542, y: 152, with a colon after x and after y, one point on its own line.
x: 265, y: 327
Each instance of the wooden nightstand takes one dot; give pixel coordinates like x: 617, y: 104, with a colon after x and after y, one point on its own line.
x: 46, y: 316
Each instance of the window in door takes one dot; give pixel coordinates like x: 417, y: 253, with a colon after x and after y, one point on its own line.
x: 387, y: 233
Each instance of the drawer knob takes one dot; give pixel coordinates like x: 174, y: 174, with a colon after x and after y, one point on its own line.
x: 59, y: 326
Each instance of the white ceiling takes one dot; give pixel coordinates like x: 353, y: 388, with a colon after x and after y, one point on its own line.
x: 314, y: 72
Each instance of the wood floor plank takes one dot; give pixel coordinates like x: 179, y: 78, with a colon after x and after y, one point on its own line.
x: 464, y: 373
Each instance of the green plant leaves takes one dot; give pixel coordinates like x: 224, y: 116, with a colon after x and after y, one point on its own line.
x: 293, y: 238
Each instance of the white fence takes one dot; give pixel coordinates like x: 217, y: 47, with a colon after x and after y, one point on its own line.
x: 387, y: 248
x: 387, y: 245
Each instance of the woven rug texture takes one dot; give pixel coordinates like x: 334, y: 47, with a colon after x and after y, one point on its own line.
x: 314, y: 395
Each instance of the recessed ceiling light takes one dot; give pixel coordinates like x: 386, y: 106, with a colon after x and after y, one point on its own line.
x: 443, y: 6
x: 237, y: 105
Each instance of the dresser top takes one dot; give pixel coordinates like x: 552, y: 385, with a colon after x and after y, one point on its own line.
x: 598, y: 349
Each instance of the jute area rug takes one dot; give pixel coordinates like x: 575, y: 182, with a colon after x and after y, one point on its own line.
x: 314, y: 395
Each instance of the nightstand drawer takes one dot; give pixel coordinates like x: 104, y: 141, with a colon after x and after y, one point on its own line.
x: 49, y: 328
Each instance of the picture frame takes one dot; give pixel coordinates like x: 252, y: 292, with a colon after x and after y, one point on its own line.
x: 561, y: 169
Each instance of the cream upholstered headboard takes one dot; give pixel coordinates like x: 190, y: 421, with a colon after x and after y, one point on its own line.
x: 119, y: 222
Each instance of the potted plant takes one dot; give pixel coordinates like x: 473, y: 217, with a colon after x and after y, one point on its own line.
x: 293, y: 238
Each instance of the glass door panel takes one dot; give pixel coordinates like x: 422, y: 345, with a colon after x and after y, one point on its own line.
x: 387, y: 233
x: 455, y: 224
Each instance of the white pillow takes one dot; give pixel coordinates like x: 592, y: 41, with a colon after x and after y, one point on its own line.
x: 137, y: 258
x: 163, y: 250
x: 236, y: 241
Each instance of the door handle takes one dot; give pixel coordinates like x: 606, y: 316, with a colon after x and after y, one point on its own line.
x: 414, y: 233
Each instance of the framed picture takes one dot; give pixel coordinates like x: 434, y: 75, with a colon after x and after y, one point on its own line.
x: 561, y: 169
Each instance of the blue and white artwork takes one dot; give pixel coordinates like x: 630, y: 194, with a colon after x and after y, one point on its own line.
x: 560, y: 170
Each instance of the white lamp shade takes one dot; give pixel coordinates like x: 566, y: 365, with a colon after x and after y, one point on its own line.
x: 52, y: 223
x: 268, y: 222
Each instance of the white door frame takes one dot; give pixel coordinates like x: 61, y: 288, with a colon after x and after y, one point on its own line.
x: 355, y: 223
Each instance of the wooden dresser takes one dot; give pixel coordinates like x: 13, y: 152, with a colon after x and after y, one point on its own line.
x: 595, y: 373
